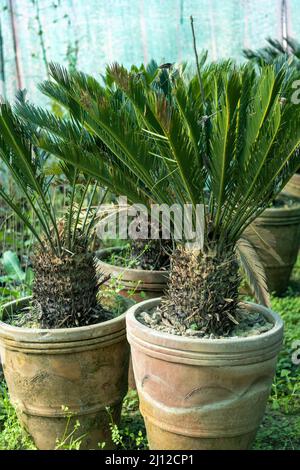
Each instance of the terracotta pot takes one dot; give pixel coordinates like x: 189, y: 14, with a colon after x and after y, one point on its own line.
x: 279, y: 228
x: 84, y: 369
x: 151, y: 283
x: 292, y: 189
x: 201, y: 393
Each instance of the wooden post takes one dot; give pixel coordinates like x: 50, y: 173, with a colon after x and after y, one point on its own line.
x: 15, y: 44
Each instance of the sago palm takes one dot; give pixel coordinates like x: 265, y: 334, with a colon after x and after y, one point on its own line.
x: 151, y: 253
x: 275, y: 50
x: 278, y: 55
x: 223, y: 138
x: 65, y: 283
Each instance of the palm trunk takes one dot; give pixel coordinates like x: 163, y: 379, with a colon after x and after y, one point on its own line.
x: 202, y: 291
x: 65, y: 289
x: 152, y: 253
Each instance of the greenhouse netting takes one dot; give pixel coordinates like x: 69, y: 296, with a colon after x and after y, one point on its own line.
x: 90, y: 33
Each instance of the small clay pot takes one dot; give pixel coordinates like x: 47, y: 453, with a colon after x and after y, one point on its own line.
x: 202, y: 393
x: 84, y: 369
x: 277, y: 229
x: 136, y: 283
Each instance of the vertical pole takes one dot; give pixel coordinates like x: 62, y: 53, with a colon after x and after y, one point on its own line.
x: 284, y: 24
x: 15, y: 44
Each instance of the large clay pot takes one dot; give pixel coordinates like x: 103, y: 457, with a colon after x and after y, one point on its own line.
x: 276, y: 237
x: 292, y: 189
x: 202, y: 393
x: 84, y: 369
x: 137, y: 283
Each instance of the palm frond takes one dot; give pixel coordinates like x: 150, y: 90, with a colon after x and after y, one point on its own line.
x: 234, y: 156
x: 253, y: 270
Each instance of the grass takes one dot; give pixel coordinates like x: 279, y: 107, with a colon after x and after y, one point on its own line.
x: 12, y: 435
x: 280, y: 429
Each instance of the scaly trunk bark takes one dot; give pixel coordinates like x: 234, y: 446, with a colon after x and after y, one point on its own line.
x: 202, y: 291
x: 65, y: 289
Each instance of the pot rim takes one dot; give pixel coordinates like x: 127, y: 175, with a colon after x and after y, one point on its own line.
x: 292, y: 211
x: 122, y: 269
x: 184, y: 343
x: 47, y: 335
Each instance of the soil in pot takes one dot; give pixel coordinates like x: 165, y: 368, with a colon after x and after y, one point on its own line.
x: 276, y: 237
x: 249, y: 324
x: 54, y: 374
x: 199, y: 393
